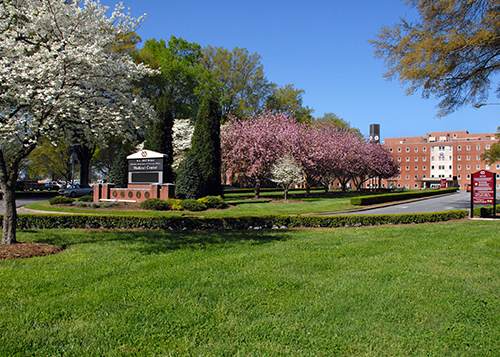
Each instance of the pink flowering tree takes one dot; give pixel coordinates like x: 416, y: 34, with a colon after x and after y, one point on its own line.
x: 251, y: 147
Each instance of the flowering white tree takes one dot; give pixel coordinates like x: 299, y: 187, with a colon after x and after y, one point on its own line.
x: 182, y: 132
x: 287, y: 171
x: 59, y: 75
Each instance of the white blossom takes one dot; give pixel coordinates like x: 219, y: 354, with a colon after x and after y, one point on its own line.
x: 59, y: 75
x: 182, y: 132
x: 287, y: 171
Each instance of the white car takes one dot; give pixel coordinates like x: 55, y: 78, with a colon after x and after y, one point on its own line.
x: 76, y: 191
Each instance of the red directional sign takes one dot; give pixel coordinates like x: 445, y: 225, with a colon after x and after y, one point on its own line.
x: 483, y: 187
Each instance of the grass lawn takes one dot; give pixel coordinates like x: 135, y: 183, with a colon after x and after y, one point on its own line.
x: 415, y: 290
x: 238, y: 207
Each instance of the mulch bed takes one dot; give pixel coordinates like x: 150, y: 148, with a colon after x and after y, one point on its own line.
x: 27, y: 250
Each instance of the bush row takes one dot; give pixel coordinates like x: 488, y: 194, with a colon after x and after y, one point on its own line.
x: 200, y: 204
x: 48, y: 221
x: 393, y: 197
x: 485, y: 211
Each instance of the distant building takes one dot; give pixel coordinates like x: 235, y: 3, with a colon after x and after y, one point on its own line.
x: 453, y: 155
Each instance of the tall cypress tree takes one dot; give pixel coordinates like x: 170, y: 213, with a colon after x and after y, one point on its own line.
x: 205, y: 143
x: 159, y: 136
x: 119, y: 171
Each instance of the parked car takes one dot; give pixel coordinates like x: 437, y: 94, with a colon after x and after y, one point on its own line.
x: 76, y: 191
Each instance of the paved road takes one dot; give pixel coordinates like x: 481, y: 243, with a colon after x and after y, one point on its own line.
x: 24, y: 201
x: 460, y: 200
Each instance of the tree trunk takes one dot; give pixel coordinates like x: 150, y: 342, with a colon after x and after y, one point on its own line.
x: 256, y: 188
x: 85, y: 154
x: 10, y: 213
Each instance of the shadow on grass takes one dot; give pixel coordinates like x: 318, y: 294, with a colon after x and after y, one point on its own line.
x: 153, y: 242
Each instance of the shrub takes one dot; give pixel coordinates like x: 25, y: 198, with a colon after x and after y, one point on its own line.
x: 155, y: 204
x: 213, y: 202
x: 86, y: 198
x: 193, y: 205
x: 189, y: 183
x: 61, y: 200
x: 175, y: 204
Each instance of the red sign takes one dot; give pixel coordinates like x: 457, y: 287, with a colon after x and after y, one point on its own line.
x: 483, y: 187
x: 444, y: 184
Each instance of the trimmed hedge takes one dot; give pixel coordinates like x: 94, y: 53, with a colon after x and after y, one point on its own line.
x: 48, y: 221
x: 393, y: 197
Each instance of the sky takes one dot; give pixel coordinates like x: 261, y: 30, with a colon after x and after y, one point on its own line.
x: 320, y: 46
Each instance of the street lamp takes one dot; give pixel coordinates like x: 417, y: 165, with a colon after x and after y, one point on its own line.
x: 479, y: 105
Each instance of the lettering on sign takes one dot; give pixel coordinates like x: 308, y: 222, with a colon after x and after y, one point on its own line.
x: 483, y: 187
x: 141, y: 165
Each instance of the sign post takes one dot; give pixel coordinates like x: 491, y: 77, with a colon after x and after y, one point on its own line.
x: 483, y: 191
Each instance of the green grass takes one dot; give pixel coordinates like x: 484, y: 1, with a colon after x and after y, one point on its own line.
x: 239, y: 207
x: 417, y: 290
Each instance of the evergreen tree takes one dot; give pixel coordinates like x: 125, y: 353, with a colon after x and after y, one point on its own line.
x: 189, y: 183
x: 119, y: 171
x: 159, y: 137
x: 206, y: 144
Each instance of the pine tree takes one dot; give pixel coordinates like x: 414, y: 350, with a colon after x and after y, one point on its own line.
x: 206, y: 144
x: 119, y: 171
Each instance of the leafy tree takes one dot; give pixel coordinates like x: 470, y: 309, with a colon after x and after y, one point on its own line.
x: 119, y: 171
x: 451, y: 53
x: 286, y: 171
x: 205, y: 144
x: 493, y: 154
x: 289, y: 100
x: 242, y: 77
x: 53, y: 82
x: 333, y: 120
x: 49, y: 160
x: 189, y: 183
x: 174, y: 91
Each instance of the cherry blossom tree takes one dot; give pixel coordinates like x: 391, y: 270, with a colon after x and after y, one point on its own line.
x: 286, y: 171
x: 60, y: 75
x: 251, y: 147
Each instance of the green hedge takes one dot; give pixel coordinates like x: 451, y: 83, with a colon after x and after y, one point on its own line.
x: 48, y: 221
x: 393, y: 197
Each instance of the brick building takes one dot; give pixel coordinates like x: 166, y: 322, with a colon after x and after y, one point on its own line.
x: 453, y: 155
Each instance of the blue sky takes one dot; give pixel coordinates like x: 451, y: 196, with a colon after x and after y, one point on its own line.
x: 320, y: 46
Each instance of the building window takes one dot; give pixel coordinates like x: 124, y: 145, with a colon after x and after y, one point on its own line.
x: 468, y: 167
x: 478, y: 167
x: 487, y: 167
x: 432, y: 158
x: 432, y: 167
x: 416, y: 168
x: 478, y: 157
x: 407, y: 159
x: 468, y: 157
x: 407, y: 168
x: 498, y: 166
x: 424, y: 168
x: 399, y: 159
x: 468, y: 176
x: 407, y: 177
x: 416, y: 186
x: 450, y: 167
x: 424, y: 158
x: 487, y: 146
x: 425, y: 149
x: 416, y: 177
x: 459, y: 177
x: 416, y: 159
x: 399, y: 149
x: 407, y: 185
x: 399, y: 177
x: 459, y: 167
x: 468, y: 147
x: 478, y: 147
x: 416, y: 149
x: 459, y: 148
x: 407, y: 149
x: 459, y: 157
x: 399, y: 185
